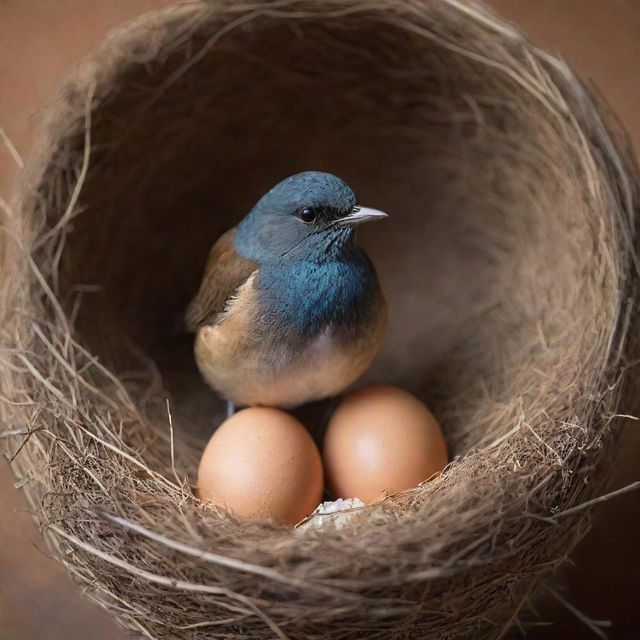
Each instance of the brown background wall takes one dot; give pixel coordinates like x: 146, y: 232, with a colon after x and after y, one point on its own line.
x: 41, y: 39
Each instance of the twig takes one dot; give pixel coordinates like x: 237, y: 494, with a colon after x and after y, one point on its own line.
x: 11, y: 148
x: 594, y: 625
x: 84, y: 169
x: 604, y: 498
x: 173, y: 455
x: 4, y: 205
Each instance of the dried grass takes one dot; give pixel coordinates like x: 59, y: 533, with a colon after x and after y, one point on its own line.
x: 510, y: 264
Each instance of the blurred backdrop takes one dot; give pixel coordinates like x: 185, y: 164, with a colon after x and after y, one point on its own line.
x: 40, y: 40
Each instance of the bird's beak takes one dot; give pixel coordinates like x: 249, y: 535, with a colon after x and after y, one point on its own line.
x: 359, y: 215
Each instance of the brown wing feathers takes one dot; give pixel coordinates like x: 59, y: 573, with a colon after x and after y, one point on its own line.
x: 224, y: 273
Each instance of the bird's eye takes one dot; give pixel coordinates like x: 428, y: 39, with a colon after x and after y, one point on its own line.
x: 307, y: 214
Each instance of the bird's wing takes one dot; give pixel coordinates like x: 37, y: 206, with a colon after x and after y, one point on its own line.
x: 224, y: 273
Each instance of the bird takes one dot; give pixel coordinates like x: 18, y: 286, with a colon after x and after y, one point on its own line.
x: 290, y: 309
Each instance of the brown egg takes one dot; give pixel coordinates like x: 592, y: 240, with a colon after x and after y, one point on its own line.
x: 262, y: 464
x: 381, y: 440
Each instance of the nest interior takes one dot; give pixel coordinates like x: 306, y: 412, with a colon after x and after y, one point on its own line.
x: 506, y: 260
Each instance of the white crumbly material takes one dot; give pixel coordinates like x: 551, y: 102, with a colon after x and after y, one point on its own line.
x: 335, y: 512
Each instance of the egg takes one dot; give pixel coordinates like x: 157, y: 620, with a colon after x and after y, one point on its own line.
x: 262, y: 464
x: 381, y: 440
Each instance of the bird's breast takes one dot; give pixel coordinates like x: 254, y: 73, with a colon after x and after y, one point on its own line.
x: 283, y: 348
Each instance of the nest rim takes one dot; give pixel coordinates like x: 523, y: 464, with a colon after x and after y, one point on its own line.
x: 318, y: 586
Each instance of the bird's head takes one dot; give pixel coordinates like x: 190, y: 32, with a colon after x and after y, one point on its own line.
x: 308, y: 216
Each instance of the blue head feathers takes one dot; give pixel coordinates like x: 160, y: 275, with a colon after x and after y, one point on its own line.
x: 309, y: 216
x: 301, y: 235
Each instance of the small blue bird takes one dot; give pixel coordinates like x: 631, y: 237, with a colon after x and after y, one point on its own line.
x: 290, y: 309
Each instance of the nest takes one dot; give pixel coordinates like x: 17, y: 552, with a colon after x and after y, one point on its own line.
x: 508, y: 261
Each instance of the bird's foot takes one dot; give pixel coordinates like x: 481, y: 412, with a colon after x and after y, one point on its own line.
x: 231, y: 409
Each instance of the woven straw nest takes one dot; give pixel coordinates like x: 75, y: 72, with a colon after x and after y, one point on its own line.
x: 508, y: 260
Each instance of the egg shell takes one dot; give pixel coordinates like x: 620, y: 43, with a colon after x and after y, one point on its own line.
x: 262, y: 464
x: 381, y: 440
